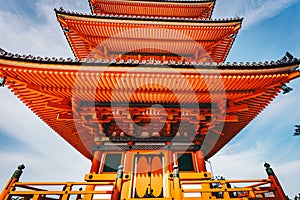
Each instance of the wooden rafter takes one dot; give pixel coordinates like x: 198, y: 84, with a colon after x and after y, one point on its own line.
x: 153, y: 8
x: 91, y: 44
x: 144, y: 42
x: 48, y: 90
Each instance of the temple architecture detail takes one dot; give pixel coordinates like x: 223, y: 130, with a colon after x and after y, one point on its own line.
x: 148, y: 99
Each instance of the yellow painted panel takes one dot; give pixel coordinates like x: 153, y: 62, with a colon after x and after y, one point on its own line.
x: 142, y: 178
x: 156, y: 176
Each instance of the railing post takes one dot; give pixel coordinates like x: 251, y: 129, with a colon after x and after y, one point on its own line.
x: 94, y: 170
x: 275, y: 182
x: 10, y: 184
x: 251, y: 194
x: 200, y: 160
x: 67, y: 189
x: 96, y: 162
x: 118, y: 184
x: 225, y: 193
x: 177, y: 187
x: 206, y: 187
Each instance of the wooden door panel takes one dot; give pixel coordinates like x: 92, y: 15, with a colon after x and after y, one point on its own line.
x: 148, y: 177
x: 156, y: 176
x: 142, y: 178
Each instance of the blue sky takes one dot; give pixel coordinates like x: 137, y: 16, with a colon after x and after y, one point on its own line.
x: 270, y: 28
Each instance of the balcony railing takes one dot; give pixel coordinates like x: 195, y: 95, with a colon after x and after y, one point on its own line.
x: 186, y: 186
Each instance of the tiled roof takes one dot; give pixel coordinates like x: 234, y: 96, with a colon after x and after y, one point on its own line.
x: 286, y: 60
x: 201, y: 9
x: 105, y: 37
x: 62, y: 93
x: 147, y: 17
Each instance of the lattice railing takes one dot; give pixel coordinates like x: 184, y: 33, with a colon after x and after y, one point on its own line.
x: 185, y: 186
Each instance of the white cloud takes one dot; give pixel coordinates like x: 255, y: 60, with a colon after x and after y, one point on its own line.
x: 39, y: 37
x: 46, y: 155
x: 289, y: 176
x: 253, y: 11
x: 38, y: 167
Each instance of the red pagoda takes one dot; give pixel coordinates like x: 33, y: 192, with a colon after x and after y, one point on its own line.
x: 148, y: 99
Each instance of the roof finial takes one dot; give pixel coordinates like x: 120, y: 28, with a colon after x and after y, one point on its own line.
x: 2, y: 81
x: 286, y: 89
x: 287, y: 57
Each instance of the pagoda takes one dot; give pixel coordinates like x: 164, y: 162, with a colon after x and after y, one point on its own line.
x: 148, y: 99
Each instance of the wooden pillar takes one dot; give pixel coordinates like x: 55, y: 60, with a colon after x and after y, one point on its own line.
x: 118, y: 184
x: 171, y: 161
x: 67, y: 189
x: 94, y: 169
x: 200, y: 161
x: 275, y: 182
x: 10, y: 184
x: 131, y: 127
x: 128, y: 164
x: 105, y: 51
x: 128, y: 170
x: 177, y: 186
x: 196, y: 54
x: 96, y: 162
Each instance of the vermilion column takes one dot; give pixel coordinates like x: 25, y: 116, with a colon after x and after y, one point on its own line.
x: 94, y: 169
x: 96, y: 162
x: 128, y: 163
x: 275, y: 182
x: 170, y: 161
x: 10, y: 184
x: 200, y: 161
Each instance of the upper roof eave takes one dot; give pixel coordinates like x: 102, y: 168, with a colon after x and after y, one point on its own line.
x: 172, y: 1
x: 117, y: 6
x: 25, y: 70
x: 287, y: 63
x: 167, y: 1
x: 61, y: 12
